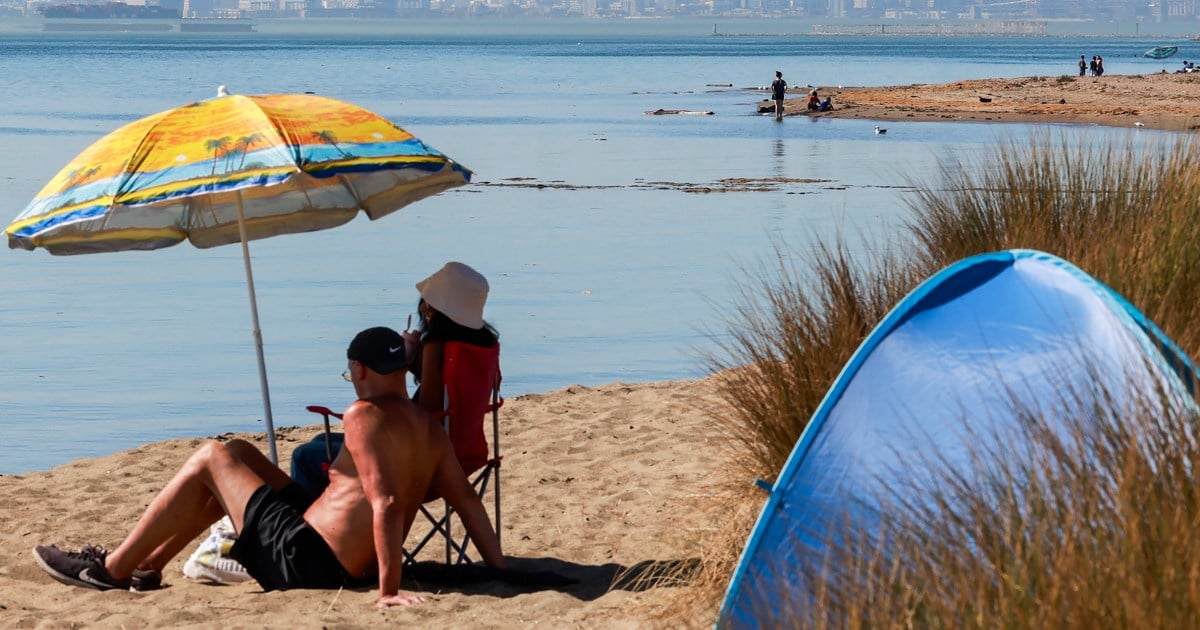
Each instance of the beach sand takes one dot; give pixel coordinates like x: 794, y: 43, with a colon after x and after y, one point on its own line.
x: 596, y: 481
x: 1162, y: 100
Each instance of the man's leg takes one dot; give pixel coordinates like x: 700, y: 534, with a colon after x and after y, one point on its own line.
x: 216, y: 476
x: 212, y: 511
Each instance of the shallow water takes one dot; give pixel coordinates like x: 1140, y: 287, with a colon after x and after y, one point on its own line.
x: 614, y: 278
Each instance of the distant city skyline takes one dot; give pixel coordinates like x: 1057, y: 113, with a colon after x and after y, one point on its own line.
x: 1157, y: 11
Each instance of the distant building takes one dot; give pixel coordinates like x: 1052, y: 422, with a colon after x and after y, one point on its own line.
x: 811, y: 8
x: 1181, y: 9
x: 413, y: 7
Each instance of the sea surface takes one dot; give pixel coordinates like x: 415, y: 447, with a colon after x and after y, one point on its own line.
x: 605, y: 264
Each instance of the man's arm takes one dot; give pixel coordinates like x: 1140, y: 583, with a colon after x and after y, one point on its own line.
x: 364, y: 433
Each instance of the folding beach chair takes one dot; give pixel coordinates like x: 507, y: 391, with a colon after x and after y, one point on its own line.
x: 472, y: 393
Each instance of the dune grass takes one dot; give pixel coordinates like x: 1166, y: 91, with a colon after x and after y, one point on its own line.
x: 1074, y: 548
x: 1094, y: 526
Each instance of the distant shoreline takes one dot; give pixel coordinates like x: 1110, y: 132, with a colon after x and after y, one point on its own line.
x: 976, y: 28
x: 749, y: 26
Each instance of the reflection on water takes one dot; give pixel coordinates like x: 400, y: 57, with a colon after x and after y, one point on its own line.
x: 779, y: 154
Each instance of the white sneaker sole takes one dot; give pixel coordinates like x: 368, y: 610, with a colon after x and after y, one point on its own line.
x: 197, y: 571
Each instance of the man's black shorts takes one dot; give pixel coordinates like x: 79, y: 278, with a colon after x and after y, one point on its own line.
x: 279, y: 549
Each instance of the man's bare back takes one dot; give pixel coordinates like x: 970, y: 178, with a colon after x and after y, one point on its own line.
x: 406, y: 447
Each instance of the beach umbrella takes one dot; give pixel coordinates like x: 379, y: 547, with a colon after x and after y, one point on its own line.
x: 233, y: 169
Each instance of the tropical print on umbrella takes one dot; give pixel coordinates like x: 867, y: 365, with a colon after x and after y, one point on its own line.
x: 232, y: 143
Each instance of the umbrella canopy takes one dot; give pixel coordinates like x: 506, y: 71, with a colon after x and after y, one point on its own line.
x: 233, y: 169
x: 296, y: 163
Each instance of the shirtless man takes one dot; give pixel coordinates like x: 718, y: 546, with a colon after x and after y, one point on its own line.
x: 393, y: 455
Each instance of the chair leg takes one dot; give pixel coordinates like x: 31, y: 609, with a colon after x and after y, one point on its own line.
x: 457, y: 550
x: 496, y: 496
x: 437, y: 526
x: 449, y: 539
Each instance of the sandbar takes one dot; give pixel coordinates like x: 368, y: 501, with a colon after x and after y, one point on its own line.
x: 1164, y: 100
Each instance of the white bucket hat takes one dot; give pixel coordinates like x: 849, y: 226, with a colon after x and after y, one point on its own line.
x: 457, y: 291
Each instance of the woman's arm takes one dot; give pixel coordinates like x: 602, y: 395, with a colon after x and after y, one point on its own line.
x: 432, y: 398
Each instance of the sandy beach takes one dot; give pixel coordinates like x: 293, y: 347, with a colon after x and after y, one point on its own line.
x: 597, y: 483
x: 1164, y: 100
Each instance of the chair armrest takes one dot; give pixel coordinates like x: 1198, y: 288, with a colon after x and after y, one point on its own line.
x: 324, y: 411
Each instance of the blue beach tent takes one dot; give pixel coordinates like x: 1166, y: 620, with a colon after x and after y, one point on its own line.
x: 961, y: 356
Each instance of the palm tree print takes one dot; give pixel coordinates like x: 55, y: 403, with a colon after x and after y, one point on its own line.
x: 329, y: 138
x: 244, y: 143
x: 219, y: 148
x: 78, y: 176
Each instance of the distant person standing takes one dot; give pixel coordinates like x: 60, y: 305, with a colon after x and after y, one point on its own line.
x: 1093, y: 66
x: 778, y: 90
x: 1082, y: 66
x: 1099, y: 66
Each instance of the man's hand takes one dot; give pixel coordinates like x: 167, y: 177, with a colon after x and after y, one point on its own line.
x: 398, y: 600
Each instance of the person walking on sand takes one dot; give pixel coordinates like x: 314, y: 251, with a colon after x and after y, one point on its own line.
x: 1082, y: 66
x: 778, y: 90
x: 393, y: 455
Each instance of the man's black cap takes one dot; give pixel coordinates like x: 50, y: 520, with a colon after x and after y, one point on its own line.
x: 381, y: 349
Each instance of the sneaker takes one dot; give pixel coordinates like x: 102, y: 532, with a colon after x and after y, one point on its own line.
x: 78, y: 568
x: 211, y: 559
x: 148, y: 580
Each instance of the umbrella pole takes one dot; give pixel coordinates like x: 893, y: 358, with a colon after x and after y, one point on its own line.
x: 258, y: 344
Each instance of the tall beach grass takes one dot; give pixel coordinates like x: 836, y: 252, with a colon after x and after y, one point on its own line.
x: 1073, y: 548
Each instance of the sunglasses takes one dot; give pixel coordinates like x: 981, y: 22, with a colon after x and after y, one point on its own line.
x: 346, y: 376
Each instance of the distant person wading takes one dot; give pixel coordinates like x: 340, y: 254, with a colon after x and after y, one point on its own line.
x: 778, y: 90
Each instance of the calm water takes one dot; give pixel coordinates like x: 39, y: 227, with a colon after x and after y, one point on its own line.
x: 613, y: 279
